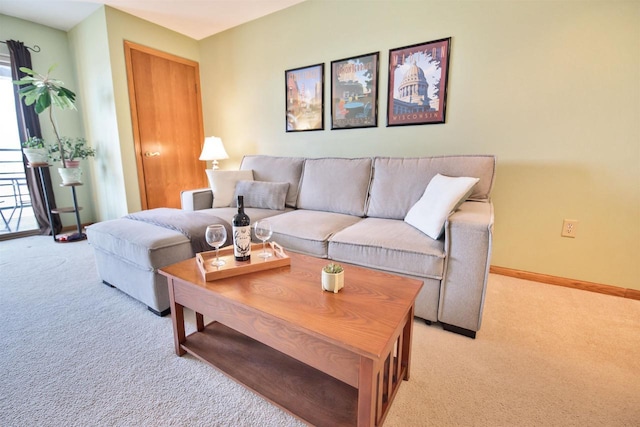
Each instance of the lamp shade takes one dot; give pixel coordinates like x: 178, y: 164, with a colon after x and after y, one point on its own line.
x: 213, y: 149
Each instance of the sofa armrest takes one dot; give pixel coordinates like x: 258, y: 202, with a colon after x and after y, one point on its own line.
x: 194, y: 200
x: 468, y: 238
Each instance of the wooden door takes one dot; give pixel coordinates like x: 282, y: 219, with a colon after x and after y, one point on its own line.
x: 166, y: 111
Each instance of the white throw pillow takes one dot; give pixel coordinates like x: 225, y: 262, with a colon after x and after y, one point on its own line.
x: 441, y: 197
x: 223, y: 184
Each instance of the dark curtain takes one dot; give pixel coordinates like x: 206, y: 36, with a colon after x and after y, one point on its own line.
x: 29, y: 125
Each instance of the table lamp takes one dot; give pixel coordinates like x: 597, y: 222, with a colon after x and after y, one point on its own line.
x: 213, y: 150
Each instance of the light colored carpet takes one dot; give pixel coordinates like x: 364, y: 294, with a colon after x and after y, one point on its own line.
x: 75, y: 352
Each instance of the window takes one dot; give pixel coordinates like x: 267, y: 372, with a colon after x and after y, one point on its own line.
x: 15, y: 206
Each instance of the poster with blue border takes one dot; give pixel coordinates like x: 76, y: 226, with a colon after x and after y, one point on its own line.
x: 354, y: 92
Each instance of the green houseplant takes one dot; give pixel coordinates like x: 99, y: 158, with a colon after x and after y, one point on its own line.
x: 72, y: 150
x: 35, y: 150
x: 333, y: 268
x: 45, y: 92
x: 34, y: 142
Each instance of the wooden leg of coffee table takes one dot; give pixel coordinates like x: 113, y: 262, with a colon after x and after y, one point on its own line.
x: 177, y: 319
x: 366, y: 393
x: 199, y: 322
x: 407, y: 336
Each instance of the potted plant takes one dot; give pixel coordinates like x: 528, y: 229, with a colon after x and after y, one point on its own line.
x: 73, y: 150
x: 332, y: 277
x: 45, y: 92
x: 35, y: 151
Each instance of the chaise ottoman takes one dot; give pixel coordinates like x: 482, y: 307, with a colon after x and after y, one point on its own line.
x: 129, y: 253
x: 130, y: 250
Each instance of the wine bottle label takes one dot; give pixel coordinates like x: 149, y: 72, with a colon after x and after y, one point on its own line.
x: 242, y: 241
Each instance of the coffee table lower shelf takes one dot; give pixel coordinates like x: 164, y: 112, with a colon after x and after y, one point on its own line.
x: 272, y: 333
x: 299, y: 389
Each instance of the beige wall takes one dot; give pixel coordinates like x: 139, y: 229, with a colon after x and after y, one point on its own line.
x: 120, y: 27
x: 54, y: 49
x: 551, y: 88
x: 99, y: 46
x: 94, y: 49
x: 89, y: 44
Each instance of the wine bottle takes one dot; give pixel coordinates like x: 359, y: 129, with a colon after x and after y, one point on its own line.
x: 241, y: 233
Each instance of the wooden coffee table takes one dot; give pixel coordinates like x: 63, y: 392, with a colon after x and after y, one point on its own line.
x: 328, y: 359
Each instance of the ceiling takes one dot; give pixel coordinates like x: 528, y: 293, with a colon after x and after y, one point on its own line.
x: 194, y: 18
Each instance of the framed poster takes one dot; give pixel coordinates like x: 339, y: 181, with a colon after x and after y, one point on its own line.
x: 354, y: 92
x: 418, y: 83
x: 304, y: 98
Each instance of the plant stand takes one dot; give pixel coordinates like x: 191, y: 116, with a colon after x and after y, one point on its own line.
x: 74, y: 237
x: 79, y: 235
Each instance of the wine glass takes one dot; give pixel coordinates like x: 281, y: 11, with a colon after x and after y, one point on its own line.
x: 216, y: 235
x: 263, y: 232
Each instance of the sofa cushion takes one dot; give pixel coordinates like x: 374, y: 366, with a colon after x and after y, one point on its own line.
x: 276, y: 169
x: 442, y: 196
x: 223, y: 184
x: 255, y: 214
x: 335, y: 185
x: 398, y: 183
x: 261, y: 194
x: 391, y: 245
x: 138, y: 243
x: 308, y: 231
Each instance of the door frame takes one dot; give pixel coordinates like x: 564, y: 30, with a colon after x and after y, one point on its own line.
x: 128, y: 47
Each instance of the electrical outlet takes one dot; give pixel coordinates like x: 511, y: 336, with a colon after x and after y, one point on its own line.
x: 569, y: 228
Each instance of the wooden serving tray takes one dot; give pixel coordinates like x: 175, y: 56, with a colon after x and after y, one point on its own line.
x: 235, y: 268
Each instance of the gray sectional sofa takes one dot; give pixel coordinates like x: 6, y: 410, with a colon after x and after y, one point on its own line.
x: 351, y: 210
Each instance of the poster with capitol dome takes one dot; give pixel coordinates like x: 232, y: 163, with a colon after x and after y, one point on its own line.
x: 418, y: 83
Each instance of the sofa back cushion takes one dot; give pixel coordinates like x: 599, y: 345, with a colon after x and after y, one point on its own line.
x: 398, y: 183
x: 277, y: 169
x: 335, y: 185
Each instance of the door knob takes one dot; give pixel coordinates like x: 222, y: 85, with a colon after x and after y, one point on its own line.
x: 150, y: 154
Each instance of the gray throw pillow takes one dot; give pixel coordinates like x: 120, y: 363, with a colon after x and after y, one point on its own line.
x: 262, y: 194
